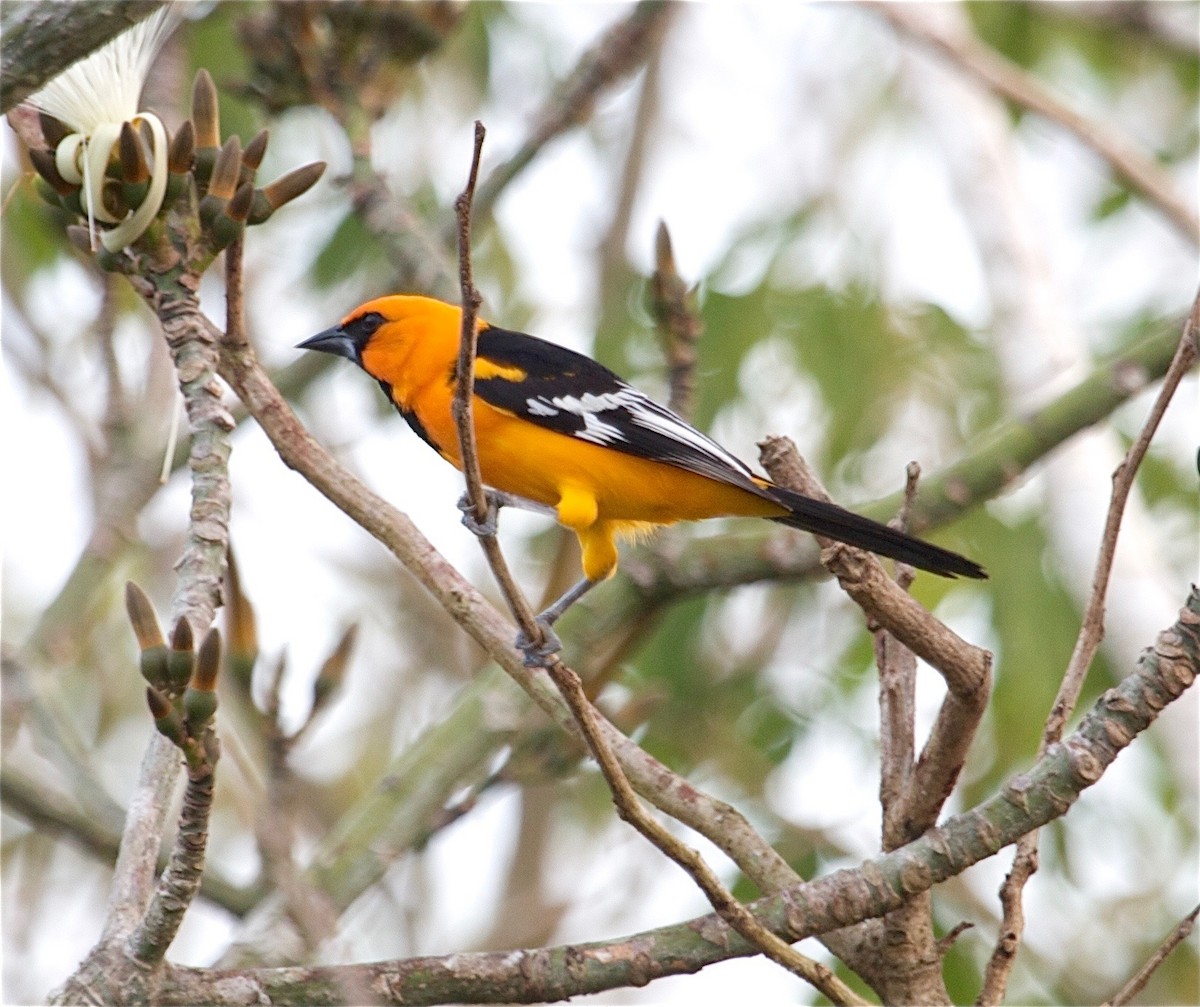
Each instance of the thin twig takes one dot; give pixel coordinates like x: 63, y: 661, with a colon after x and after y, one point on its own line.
x: 630, y: 809
x: 1008, y: 80
x: 1176, y: 937
x: 1091, y: 632
x: 628, y: 804
x: 461, y: 407
x: 464, y: 376
x: 911, y: 797
x: 97, y: 831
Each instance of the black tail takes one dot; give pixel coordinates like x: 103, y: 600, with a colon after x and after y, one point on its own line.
x: 835, y: 522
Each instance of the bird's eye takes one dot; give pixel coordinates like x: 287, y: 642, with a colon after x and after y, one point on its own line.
x: 363, y: 328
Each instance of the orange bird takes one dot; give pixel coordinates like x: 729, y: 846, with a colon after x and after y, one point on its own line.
x: 560, y: 433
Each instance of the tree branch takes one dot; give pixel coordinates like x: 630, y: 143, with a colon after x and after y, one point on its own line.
x: 52, y: 813
x: 1028, y: 801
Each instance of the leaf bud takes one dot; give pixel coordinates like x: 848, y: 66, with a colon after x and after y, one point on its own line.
x: 132, y: 155
x: 181, y: 659
x: 253, y: 154
x: 284, y: 189
x: 181, y: 152
x: 206, y: 110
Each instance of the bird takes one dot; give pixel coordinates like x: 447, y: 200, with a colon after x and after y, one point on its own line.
x: 560, y: 433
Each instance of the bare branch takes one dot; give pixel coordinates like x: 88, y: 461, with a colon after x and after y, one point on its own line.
x: 966, y: 669
x: 1045, y: 792
x: 181, y: 880
x: 98, y: 831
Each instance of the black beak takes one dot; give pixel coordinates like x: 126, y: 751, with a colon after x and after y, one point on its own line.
x: 335, y: 341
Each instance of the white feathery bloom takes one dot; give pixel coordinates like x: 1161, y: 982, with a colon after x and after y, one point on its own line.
x: 93, y: 98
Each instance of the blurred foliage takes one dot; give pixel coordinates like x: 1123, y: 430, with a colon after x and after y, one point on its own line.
x: 1118, y: 48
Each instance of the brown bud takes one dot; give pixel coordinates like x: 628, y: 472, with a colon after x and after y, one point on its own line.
x: 226, y: 169
x: 333, y: 671
x: 664, y: 256
x: 53, y: 131
x: 205, y: 111
x: 181, y: 659
x: 166, y: 718
x: 112, y: 196
x: 255, y: 149
x: 182, y: 150
x: 208, y: 662
x: 181, y: 635
x: 295, y: 183
x: 43, y: 164
x: 240, y: 626
x: 142, y: 617
x: 133, y: 157
x: 239, y: 207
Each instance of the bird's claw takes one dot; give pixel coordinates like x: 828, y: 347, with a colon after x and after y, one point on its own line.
x: 538, y: 653
x: 488, y: 525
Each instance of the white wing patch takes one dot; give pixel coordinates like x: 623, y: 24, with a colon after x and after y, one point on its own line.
x: 605, y: 414
x: 589, y: 408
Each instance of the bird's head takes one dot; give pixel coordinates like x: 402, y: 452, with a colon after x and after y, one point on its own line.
x: 386, y: 330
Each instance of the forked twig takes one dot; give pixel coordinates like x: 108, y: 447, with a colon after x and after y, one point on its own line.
x: 568, y: 683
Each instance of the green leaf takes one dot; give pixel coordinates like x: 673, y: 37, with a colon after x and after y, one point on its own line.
x: 350, y: 251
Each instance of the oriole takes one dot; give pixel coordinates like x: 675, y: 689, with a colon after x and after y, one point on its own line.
x: 558, y: 430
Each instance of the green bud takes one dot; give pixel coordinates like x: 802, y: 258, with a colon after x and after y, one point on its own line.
x: 181, y: 660
x: 199, y: 705
x: 153, y: 663
x: 166, y: 717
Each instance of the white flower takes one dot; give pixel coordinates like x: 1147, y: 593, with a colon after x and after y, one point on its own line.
x: 93, y: 98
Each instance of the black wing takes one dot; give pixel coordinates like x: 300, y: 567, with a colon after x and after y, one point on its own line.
x: 565, y: 391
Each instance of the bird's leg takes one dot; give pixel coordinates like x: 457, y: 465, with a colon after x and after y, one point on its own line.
x: 490, y: 523
x: 495, y: 500
x: 537, y: 654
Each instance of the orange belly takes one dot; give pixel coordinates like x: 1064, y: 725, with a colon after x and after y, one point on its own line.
x: 528, y: 461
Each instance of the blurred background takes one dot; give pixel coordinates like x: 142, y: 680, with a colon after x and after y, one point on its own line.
x: 890, y: 264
